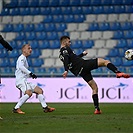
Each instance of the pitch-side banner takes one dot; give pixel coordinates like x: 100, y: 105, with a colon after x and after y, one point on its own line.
x: 75, y: 90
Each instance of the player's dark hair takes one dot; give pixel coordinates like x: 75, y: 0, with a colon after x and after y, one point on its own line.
x: 64, y: 38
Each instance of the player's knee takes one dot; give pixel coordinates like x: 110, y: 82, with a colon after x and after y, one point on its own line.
x: 29, y: 92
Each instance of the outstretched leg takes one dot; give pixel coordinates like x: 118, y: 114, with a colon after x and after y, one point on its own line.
x: 102, y: 62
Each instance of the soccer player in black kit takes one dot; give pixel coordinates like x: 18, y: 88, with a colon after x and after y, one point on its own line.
x: 78, y: 66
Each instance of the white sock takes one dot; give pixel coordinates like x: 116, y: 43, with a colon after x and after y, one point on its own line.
x: 42, y: 100
x: 22, y: 100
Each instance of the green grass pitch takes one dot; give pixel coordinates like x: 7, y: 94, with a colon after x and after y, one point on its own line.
x: 68, y: 118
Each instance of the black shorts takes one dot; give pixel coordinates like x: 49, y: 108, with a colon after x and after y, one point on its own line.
x: 87, y: 67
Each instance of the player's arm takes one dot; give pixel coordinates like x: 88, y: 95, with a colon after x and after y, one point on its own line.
x: 83, y: 54
x: 66, y: 62
x: 5, y: 43
x: 24, y: 69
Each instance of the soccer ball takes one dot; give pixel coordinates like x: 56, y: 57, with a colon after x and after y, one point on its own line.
x: 129, y: 54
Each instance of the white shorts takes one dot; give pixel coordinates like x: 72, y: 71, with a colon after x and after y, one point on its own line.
x: 24, y: 85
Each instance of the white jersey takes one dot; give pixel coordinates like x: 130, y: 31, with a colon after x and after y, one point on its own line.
x: 22, y: 71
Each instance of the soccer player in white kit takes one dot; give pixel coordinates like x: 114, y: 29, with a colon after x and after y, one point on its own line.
x: 22, y: 73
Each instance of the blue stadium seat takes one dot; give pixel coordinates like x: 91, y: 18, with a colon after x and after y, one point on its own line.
x: 126, y: 26
x: 33, y: 3
x: 8, y: 28
x: 64, y: 3
x: 20, y: 36
x: 34, y: 11
x: 129, y: 9
x: 28, y: 27
x: 66, y: 10
x: 56, y: 10
x: 127, y: 2
x: 118, y: 35
x: 54, y: 3
x: 121, y: 43
x: 58, y: 18
x: 30, y: 35
x: 43, y: 3
x: 87, y: 10
x: 39, y: 27
x: 13, y: 54
x: 104, y: 26
x: 122, y: 69
x: 25, y: 11
x: 119, y: 9
x: 77, y: 10
x: 37, y: 62
x: 61, y: 27
x: 39, y: 70
x: 48, y: 19
x: 98, y: 9
x: 130, y: 44
x: 54, y: 44
x: 127, y: 63
x: 20, y: 43
x: 69, y: 18
x: 115, y: 26
x: 87, y: 44
x: 117, y: 2
x: 14, y: 11
x: 12, y: 62
x: 3, y: 53
x: 50, y: 70
x: 128, y: 34
x: 78, y: 51
x: 85, y: 2
x: 95, y: 2
x: 93, y: 27
x: 41, y: 35
x: 60, y: 70
x: 4, y: 62
x: 6, y: 70
x: 79, y: 18
x: 43, y: 44
x: 45, y: 11
x: 34, y: 44
x: 74, y: 2
x: 113, y: 52
x: 117, y: 61
x: 52, y: 35
x: 108, y: 9
x: 76, y: 44
x: 23, y: 3
x: 5, y: 11
x: 18, y: 27
x: 106, y: 2
x: 121, y: 52
x: 50, y: 27
x: 13, y: 3
x: 129, y: 70
x: 35, y: 53
x: 62, y: 34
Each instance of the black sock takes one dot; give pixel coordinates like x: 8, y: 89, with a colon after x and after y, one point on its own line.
x: 95, y: 100
x: 112, y: 68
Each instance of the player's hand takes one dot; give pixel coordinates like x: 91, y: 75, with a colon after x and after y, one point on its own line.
x: 33, y: 75
x: 65, y: 74
x: 85, y: 53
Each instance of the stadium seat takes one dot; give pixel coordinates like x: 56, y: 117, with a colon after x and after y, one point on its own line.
x: 43, y: 44
x: 104, y: 26
x: 49, y: 27
x: 30, y: 35
x: 128, y: 34
x: 72, y: 27
x: 127, y: 63
x: 96, y: 35
x: 43, y: 3
x: 110, y: 43
x: 39, y: 27
x: 53, y: 3
x: 64, y: 3
x: 82, y: 26
x: 41, y: 35
x: 109, y: 9
x: 35, y: 53
x: 126, y: 26
x: 18, y: 27
x: 120, y: 9
x: 4, y: 62
x: 45, y: 10
x: 37, y: 62
x: 85, y: 2
x: 54, y: 44
x: 33, y: 3
x: 101, y: 18
x: 12, y: 62
x: 84, y: 35
x: 121, y: 51
x: 118, y: 35
x: 76, y: 44
x: 87, y: 10
x: 98, y: 9
x: 13, y: 54
x: 3, y: 53
x: 60, y: 27
x: 55, y: 53
x: 87, y: 44
x: 52, y: 35
x: 58, y: 18
x: 113, y: 53
x: 5, y: 12
x: 14, y: 11
x: 34, y: 11
x: 8, y: 28
x: 121, y: 43
x: 95, y: 2
x: 66, y: 10
x: 90, y: 18
x: 102, y: 52
x: 116, y: 61
x: 93, y: 27
x: 23, y: 3
x: 17, y: 19
x: 6, y: 19
x: 79, y: 18
x: 38, y: 19
x: 115, y: 26
x: 69, y: 18
x: 76, y: 10
x: 99, y: 44
x: 130, y: 44
x: 48, y: 62
x: 28, y: 27
x: 129, y: 9
x: 25, y: 11
x: 56, y: 10
x: 58, y: 63
x: 74, y: 35
x: 34, y: 44
x: 27, y: 19
x: 46, y: 53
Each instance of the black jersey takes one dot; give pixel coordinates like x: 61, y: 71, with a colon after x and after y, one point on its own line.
x: 70, y: 60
